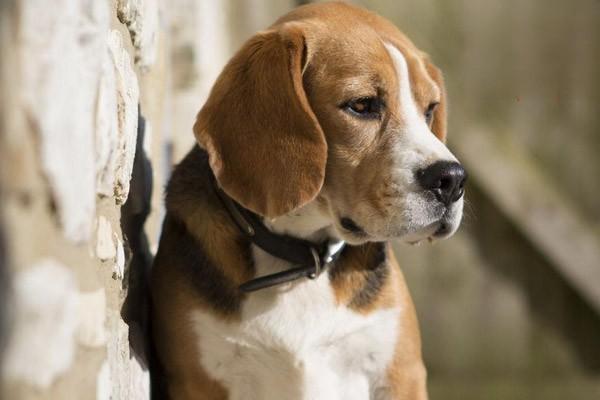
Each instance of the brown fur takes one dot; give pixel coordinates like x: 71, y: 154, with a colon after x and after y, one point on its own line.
x: 361, y: 278
x: 202, y: 258
x: 175, y: 341
x: 259, y: 129
x: 358, y: 150
x: 273, y: 120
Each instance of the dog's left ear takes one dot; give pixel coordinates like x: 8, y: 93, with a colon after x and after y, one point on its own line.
x: 265, y: 145
x: 438, y: 126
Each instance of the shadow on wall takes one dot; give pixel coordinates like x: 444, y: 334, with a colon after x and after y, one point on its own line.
x: 135, y: 310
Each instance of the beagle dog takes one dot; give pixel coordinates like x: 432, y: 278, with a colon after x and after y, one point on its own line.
x: 322, y: 139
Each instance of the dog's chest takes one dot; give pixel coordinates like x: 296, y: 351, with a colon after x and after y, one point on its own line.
x: 298, y: 344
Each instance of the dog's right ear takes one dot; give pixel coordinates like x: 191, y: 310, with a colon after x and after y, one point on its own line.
x: 265, y: 145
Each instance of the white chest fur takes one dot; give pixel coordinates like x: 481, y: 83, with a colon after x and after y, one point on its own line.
x: 296, y: 343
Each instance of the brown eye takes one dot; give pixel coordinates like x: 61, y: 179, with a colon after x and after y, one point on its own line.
x: 365, y: 107
x: 429, y: 112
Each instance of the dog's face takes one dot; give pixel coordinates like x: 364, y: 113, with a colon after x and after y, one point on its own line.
x: 377, y: 103
x: 354, y: 122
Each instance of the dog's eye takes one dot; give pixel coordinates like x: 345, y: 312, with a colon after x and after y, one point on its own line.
x: 365, y: 107
x: 429, y: 112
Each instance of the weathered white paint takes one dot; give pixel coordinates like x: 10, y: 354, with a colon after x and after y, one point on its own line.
x: 119, y: 270
x: 107, y: 126
x: 91, y: 331
x: 60, y: 53
x: 77, y: 95
x: 141, y: 18
x: 127, y: 106
x: 139, y: 380
x: 43, y: 345
x: 105, y: 247
x: 129, y: 380
x: 103, y: 382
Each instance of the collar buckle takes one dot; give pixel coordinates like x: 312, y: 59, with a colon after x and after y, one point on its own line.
x: 318, y: 268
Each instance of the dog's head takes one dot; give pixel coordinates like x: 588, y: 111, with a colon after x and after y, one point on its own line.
x: 333, y: 104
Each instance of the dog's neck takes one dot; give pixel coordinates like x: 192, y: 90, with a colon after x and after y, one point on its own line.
x: 309, y: 222
x: 193, y: 201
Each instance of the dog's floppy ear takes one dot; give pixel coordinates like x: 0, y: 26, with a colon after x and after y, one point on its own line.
x: 438, y: 126
x: 265, y: 145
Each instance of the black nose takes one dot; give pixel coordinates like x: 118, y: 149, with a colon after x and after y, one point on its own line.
x: 446, y: 179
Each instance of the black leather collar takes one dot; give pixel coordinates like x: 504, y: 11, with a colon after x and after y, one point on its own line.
x: 309, y: 259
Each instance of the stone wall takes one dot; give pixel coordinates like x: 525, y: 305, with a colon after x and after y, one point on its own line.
x: 98, y: 99
x: 84, y: 88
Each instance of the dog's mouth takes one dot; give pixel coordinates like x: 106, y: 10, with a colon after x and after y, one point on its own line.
x: 443, y: 230
x: 355, y: 233
x: 439, y: 229
x: 351, y: 231
x: 352, y: 227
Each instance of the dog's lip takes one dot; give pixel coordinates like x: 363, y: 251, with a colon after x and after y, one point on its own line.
x: 427, y: 232
x: 445, y: 228
x: 356, y: 236
x: 350, y: 226
x: 362, y: 235
x: 442, y: 230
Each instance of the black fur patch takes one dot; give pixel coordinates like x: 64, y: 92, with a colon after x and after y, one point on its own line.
x: 369, y: 259
x: 179, y: 249
x: 376, y: 276
x: 191, y: 185
x: 192, y: 182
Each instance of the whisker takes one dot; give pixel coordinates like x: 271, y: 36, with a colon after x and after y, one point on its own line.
x: 469, y: 214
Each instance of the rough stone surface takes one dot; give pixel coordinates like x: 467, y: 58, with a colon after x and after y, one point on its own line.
x: 141, y: 18
x: 67, y: 155
x: 119, y: 270
x: 91, y: 331
x: 60, y: 54
x: 105, y: 246
x: 46, y: 296
x: 103, y: 383
x: 127, y: 114
x: 107, y: 125
x: 129, y: 379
